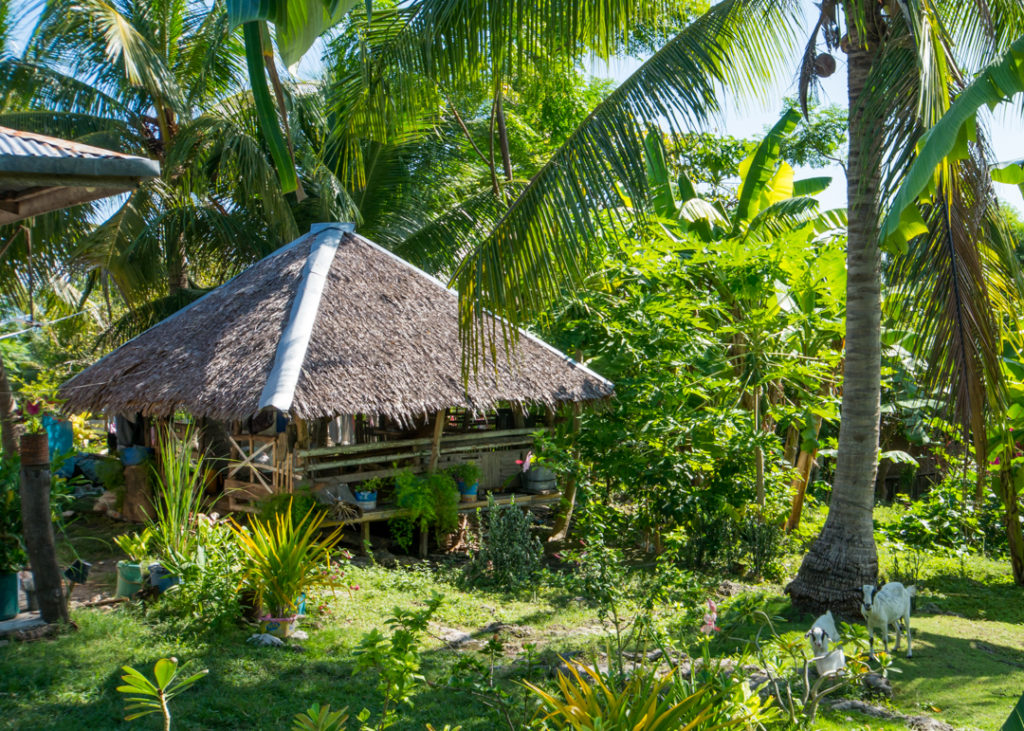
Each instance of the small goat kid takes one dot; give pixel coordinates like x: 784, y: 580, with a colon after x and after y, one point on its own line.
x: 821, y: 632
x: 885, y: 607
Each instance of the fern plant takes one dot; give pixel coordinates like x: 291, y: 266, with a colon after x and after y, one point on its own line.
x: 429, y: 501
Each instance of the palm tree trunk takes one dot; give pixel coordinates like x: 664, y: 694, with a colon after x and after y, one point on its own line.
x: 8, y: 429
x: 177, y: 269
x: 843, y: 558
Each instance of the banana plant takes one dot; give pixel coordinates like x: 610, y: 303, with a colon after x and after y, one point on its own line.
x: 776, y: 213
x: 771, y: 203
x: 947, y: 142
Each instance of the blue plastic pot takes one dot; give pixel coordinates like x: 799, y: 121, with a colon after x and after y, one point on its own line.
x: 366, y: 500
x: 161, y: 579
x: 135, y: 455
x: 468, y: 492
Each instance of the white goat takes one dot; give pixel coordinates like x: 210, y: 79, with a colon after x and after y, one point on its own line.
x: 885, y: 607
x: 821, y: 632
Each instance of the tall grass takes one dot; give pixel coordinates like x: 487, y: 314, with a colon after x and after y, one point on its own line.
x: 180, y: 480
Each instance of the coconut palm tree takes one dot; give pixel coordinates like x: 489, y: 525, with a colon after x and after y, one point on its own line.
x: 904, y: 62
x: 161, y: 79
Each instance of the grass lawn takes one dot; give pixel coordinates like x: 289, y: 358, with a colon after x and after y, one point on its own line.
x: 69, y: 683
x: 967, y: 669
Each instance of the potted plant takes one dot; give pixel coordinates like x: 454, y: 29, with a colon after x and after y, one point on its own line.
x: 467, y: 479
x: 129, y: 573
x: 280, y: 562
x: 12, y: 550
x: 540, y: 468
x: 366, y: 494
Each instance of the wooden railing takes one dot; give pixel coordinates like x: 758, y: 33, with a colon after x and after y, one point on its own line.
x: 496, y: 452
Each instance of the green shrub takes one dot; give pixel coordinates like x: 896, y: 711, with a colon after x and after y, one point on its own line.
x: 944, y: 519
x: 431, y: 501
x: 12, y: 550
x: 764, y: 544
x: 200, y: 551
x: 465, y: 472
x: 509, y: 554
x: 589, y: 698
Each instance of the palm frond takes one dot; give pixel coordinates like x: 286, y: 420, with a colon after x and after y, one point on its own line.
x: 953, y: 286
x: 438, y: 245
x: 141, y: 318
x: 551, y: 231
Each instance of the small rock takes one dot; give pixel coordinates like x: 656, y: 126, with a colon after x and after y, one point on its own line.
x: 454, y: 638
x: 299, y: 634
x: 877, y: 685
x: 757, y: 680
x: 265, y: 640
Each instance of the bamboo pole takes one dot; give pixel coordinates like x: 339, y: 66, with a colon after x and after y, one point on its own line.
x: 435, y: 442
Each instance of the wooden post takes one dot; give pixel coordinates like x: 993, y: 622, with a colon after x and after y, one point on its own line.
x: 561, y: 526
x: 435, y: 454
x: 435, y: 444
x: 38, y: 527
x: 301, y: 434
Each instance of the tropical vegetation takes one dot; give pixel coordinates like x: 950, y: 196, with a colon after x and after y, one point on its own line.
x: 808, y: 399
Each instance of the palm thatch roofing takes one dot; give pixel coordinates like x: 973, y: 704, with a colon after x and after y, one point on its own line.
x: 40, y: 174
x: 330, y: 324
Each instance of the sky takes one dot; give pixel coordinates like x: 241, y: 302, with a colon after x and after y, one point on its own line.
x: 1006, y: 126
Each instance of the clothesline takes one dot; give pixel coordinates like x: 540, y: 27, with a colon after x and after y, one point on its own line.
x: 35, y: 326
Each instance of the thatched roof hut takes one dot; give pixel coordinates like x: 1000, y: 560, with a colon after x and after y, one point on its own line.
x: 330, y: 324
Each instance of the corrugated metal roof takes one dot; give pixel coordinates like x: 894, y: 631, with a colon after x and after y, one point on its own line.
x: 28, y: 144
x: 40, y: 173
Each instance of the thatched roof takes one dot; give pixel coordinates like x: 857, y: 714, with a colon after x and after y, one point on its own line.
x: 330, y: 324
x: 40, y: 173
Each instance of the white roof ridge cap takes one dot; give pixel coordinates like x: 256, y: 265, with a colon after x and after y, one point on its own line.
x: 279, y: 390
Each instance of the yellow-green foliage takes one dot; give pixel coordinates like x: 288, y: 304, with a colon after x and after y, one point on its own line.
x: 281, y: 558
x: 586, y: 699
